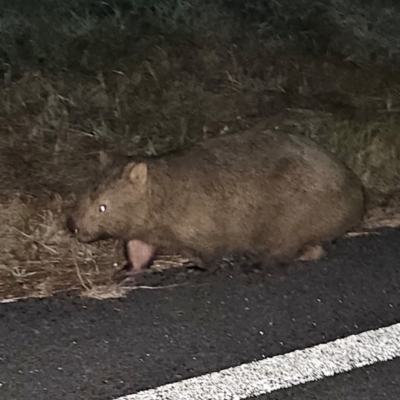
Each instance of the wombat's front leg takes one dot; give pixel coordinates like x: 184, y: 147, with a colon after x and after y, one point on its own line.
x: 140, y: 255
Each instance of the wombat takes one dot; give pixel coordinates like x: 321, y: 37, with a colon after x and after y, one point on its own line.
x: 262, y: 192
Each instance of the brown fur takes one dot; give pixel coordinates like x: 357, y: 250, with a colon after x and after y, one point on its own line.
x: 263, y: 192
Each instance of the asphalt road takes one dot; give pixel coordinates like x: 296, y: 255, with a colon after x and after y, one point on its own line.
x: 69, y: 348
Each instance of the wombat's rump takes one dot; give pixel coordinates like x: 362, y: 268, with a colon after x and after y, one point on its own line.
x: 263, y: 192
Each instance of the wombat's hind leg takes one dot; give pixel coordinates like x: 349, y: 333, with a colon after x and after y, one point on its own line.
x: 140, y: 255
x: 311, y: 253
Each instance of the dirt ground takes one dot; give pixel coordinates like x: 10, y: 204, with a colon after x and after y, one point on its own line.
x: 56, y: 127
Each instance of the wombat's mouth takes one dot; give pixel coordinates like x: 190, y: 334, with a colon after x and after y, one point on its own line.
x: 84, y: 236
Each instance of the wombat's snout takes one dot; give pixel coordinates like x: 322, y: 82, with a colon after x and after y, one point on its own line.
x: 71, y: 226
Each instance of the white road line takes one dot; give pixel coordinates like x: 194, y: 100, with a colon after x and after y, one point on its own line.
x: 283, y: 371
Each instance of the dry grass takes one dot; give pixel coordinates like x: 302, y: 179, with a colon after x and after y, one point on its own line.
x: 38, y: 258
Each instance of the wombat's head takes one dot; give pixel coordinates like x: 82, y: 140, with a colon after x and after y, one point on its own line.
x: 114, y: 209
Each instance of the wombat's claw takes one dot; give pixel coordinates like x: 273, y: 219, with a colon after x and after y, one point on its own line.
x: 192, y: 265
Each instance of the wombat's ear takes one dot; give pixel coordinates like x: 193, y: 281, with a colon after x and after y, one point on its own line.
x: 136, y: 173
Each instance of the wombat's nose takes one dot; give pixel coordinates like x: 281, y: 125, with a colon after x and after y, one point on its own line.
x: 71, y: 226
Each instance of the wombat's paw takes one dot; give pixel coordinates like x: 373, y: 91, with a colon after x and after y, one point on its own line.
x: 311, y: 253
x: 194, y: 261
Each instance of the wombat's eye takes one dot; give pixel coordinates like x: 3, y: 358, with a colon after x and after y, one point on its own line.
x: 102, y: 208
